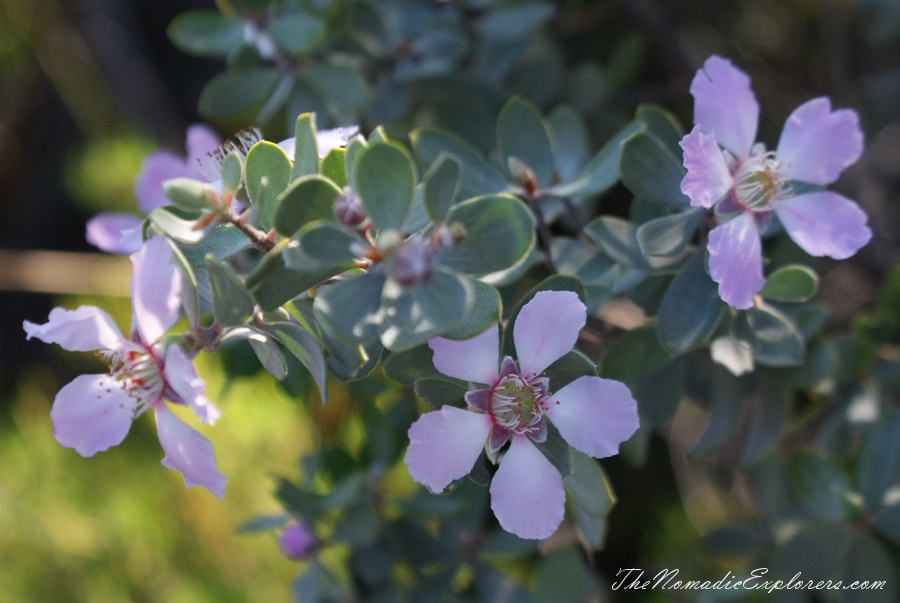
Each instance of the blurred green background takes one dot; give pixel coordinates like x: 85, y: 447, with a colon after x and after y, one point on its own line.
x: 88, y: 87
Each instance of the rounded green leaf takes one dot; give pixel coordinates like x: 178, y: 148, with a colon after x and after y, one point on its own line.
x: 298, y: 33
x: 385, y: 179
x: 341, y: 86
x: 351, y: 307
x: 189, y: 194
x: 499, y: 232
x: 878, y: 464
x: 267, y: 166
x: 522, y: 133
x: 652, y: 170
x: 413, y: 315
x: 479, y: 177
x: 618, y: 239
x: 306, y: 199
x: 305, y: 348
x: 690, y: 308
x: 205, y: 33
x: 232, y: 304
x: 236, y: 95
x: 587, y: 485
x: 794, y: 283
x: 306, y: 153
x: 440, y: 187
x: 668, y: 235
x: 484, y: 314
x: 819, y: 484
x: 326, y: 243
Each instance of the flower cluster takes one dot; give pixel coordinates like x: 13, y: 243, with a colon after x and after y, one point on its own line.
x: 593, y: 415
x: 95, y: 412
x: 746, y: 184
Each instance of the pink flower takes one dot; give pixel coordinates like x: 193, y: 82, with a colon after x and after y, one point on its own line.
x: 115, y: 232
x: 593, y: 415
x: 296, y: 541
x: 95, y: 412
x: 728, y: 170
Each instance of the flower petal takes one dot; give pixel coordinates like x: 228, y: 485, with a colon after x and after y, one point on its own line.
x: 816, y: 144
x: 83, y: 329
x: 201, y: 143
x: 444, y: 445
x: 155, y: 289
x: 725, y: 106
x: 825, y: 223
x: 472, y: 359
x: 188, y: 452
x: 157, y: 167
x: 186, y: 387
x: 547, y: 328
x: 527, y: 494
x: 114, y: 232
x: 735, y: 260
x: 707, y: 179
x: 594, y: 415
x: 332, y: 139
x: 92, y: 413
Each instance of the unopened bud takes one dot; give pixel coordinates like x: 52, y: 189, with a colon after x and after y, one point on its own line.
x: 348, y: 208
x: 296, y: 541
x: 522, y: 174
x: 190, y: 194
x: 413, y: 264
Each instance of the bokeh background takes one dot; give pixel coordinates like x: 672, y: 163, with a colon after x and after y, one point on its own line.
x: 88, y: 87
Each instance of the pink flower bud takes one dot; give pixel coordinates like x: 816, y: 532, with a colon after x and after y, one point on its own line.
x: 413, y: 264
x: 348, y: 209
x: 296, y: 541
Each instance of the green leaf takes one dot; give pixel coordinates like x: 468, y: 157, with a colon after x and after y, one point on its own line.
x: 564, y: 577
x: 385, y: 178
x: 333, y: 166
x: 266, y: 349
x: 659, y: 393
x: 556, y: 450
x: 668, y: 235
x: 522, y: 133
x: 272, y: 283
x: 794, y: 283
x: 778, y: 342
x: 869, y: 562
x: 818, y: 551
x: 602, y: 172
x: 268, y: 171
x: 583, y: 261
x: 499, y: 233
x: 439, y: 391
x: 587, y: 486
x: 726, y: 406
x: 205, y: 33
x: 887, y: 522
x: 232, y: 304
x: 181, y: 229
x: 821, y: 486
x: 769, y: 413
x: 299, y: 33
x: 409, y: 365
x: 662, y: 124
x: 440, y: 187
x: 352, y: 361
x: 322, y: 244
x: 568, y: 368
x: 484, y: 314
x: 652, y: 170
x: 342, y: 86
x: 305, y: 348
x: 358, y: 526
x: 221, y: 241
x: 236, y: 95
x: 634, y: 355
x: 188, y: 194
x: 690, y: 308
x: 306, y: 199
x: 351, y: 308
x: 306, y: 153
x: 618, y: 239
x: 232, y: 173
x: 415, y: 314
x: 478, y: 176
x: 878, y: 464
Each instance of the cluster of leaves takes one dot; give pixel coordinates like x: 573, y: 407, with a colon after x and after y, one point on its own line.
x: 344, y: 266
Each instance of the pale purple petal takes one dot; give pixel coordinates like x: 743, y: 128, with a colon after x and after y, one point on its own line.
x: 444, y: 445
x: 186, y: 387
x: 816, y: 145
x: 201, y: 143
x: 157, y: 167
x: 473, y: 359
x: 594, y: 415
x: 547, y: 328
x: 92, y: 413
x: 527, y: 494
x: 708, y: 178
x: 83, y: 329
x: 114, y: 232
x: 155, y: 289
x: 188, y: 452
x: 735, y: 260
x: 825, y: 223
x: 724, y: 105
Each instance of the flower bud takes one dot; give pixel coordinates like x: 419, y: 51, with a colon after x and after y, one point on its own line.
x: 523, y: 174
x: 348, y: 208
x: 296, y: 541
x: 190, y: 194
x: 413, y: 264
